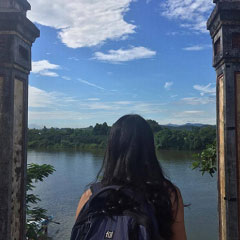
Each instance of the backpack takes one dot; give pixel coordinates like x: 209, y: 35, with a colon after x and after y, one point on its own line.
x: 116, y: 213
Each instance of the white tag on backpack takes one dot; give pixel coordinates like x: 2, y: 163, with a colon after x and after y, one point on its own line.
x: 109, y: 235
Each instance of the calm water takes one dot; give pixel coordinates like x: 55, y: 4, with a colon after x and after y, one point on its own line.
x: 61, y: 191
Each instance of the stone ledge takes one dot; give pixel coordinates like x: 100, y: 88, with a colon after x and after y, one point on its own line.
x: 25, y: 4
x: 16, y: 21
x: 228, y: 12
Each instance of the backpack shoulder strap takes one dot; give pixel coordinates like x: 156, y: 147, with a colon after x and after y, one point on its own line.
x: 95, y: 187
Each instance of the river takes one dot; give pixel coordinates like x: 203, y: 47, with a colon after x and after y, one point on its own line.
x: 61, y: 191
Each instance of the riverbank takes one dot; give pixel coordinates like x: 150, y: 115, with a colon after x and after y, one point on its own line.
x: 95, y: 138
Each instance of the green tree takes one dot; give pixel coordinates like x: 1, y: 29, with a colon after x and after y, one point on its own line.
x: 35, y: 173
x: 206, y: 160
x: 101, y: 129
x: 154, y: 125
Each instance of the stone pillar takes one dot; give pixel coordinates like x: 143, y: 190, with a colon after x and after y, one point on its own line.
x: 17, y: 34
x: 224, y: 27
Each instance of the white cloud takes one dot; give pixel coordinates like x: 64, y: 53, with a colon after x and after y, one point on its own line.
x: 44, y: 68
x: 192, y: 116
x: 193, y: 14
x: 172, y: 33
x: 168, y: 85
x: 196, y: 47
x: 208, y: 89
x: 93, y: 99
x: 98, y: 106
x: 122, y: 107
x: 146, y: 108
x: 90, y: 84
x: 58, y: 109
x: 39, y: 98
x: 48, y: 73
x: 123, y: 55
x: 48, y: 107
x: 83, y: 23
x: 73, y: 58
x: 198, y: 101
x: 124, y: 102
x: 54, y: 115
x: 193, y: 112
x: 66, y: 78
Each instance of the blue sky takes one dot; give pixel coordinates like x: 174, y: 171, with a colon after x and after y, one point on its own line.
x: 98, y: 60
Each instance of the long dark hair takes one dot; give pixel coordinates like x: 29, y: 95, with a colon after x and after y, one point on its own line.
x: 130, y: 160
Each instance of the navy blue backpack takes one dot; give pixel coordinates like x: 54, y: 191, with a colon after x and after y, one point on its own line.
x: 116, y: 213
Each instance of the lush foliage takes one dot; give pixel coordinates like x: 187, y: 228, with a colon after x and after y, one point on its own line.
x: 35, y: 173
x: 207, y: 160
x: 92, y: 138
x: 196, y: 139
x: 154, y: 125
x: 68, y: 138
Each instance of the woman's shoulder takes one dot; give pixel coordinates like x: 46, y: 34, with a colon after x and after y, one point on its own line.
x: 83, y: 200
x: 87, y: 194
x: 175, y: 196
x: 178, y: 226
x: 174, y: 191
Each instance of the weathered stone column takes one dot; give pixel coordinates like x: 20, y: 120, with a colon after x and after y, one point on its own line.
x: 17, y: 34
x: 224, y: 26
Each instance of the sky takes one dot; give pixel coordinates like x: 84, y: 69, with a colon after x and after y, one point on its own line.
x: 98, y: 60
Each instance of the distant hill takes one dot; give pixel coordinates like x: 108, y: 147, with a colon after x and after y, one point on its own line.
x: 187, y: 126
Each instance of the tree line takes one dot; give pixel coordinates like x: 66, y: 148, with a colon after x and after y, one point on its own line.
x: 93, y: 138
